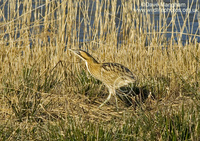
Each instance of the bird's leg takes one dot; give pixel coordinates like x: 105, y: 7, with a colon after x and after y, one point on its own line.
x: 108, y: 98
x: 114, y: 92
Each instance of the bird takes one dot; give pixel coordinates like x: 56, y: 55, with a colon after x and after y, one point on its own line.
x: 113, y: 75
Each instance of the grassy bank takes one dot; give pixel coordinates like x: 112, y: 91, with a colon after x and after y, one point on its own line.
x: 47, y: 94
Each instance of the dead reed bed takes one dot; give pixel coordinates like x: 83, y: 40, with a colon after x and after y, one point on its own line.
x: 46, y: 94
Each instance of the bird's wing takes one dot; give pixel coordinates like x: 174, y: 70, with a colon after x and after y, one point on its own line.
x: 118, y: 69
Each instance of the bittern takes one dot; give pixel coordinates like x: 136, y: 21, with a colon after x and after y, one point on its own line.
x: 113, y: 75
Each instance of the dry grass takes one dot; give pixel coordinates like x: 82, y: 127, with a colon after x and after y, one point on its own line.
x: 43, y: 85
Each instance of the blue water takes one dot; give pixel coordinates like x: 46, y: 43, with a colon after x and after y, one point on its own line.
x: 187, y: 10
x: 191, y: 30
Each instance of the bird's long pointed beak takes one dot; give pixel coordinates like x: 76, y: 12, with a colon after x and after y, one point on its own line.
x: 76, y: 51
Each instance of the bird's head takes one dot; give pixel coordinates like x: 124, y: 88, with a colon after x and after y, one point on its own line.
x: 83, y: 55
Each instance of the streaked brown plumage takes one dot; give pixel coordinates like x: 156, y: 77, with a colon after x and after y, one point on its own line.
x: 113, y: 75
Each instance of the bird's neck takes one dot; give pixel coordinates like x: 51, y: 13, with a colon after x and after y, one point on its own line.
x: 92, y: 66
